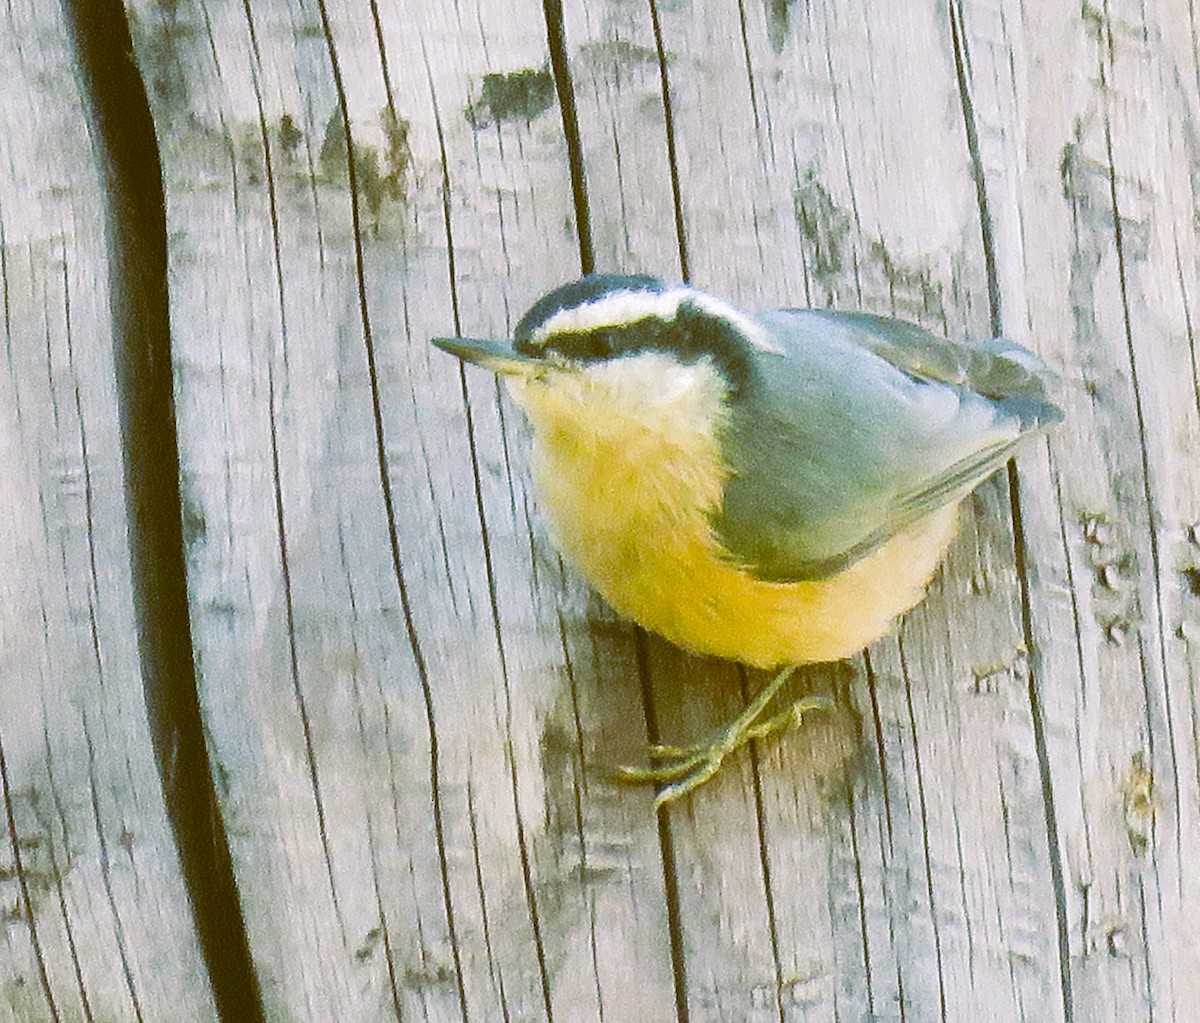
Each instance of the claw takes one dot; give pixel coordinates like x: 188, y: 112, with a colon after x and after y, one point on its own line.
x: 688, y: 767
x: 664, y: 772
x: 792, y: 715
x: 660, y: 752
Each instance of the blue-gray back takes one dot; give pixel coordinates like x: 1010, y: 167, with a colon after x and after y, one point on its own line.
x: 861, y: 427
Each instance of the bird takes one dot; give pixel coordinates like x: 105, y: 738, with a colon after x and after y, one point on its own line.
x: 774, y: 487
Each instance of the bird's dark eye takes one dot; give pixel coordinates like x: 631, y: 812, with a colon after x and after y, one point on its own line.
x: 585, y: 345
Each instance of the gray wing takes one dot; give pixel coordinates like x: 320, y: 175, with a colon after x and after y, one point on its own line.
x: 860, y: 427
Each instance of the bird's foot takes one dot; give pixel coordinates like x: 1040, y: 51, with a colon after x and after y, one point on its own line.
x: 681, y: 769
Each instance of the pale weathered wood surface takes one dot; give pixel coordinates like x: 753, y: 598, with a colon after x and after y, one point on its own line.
x: 95, y: 922
x: 411, y: 705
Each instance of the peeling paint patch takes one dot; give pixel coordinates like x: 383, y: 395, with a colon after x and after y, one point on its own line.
x: 290, y: 136
x: 620, y: 54
x: 377, y: 177
x: 1191, y: 578
x: 779, y: 19
x: 159, y: 43
x: 513, y: 96
x: 1138, y: 800
x: 1114, y: 569
x: 825, y: 226
x: 836, y: 254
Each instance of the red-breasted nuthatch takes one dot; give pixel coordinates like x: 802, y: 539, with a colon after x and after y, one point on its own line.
x: 772, y: 487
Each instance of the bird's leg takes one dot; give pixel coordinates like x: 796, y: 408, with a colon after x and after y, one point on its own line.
x: 686, y: 767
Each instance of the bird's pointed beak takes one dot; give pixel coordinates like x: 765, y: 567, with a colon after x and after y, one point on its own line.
x: 497, y: 356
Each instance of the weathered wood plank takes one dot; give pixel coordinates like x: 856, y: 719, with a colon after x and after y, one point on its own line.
x: 94, y: 916
x: 1105, y: 275
x: 412, y: 706
x: 402, y: 732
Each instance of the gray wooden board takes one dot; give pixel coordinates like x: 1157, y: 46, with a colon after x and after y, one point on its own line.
x: 94, y: 917
x: 1105, y: 274
x: 412, y: 750
x: 482, y: 882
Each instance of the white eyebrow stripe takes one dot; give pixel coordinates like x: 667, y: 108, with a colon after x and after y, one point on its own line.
x: 740, y: 321
x: 616, y: 309
x: 623, y: 308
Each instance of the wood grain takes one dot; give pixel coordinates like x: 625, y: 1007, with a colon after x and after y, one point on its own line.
x: 95, y: 921
x: 412, y: 706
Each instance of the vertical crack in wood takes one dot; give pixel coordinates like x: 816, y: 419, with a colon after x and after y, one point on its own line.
x: 556, y: 38
x: 1143, y: 446
x: 1185, y: 302
x: 835, y: 93
x: 924, y: 810
x: 1057, y: 874
x: 1148, y: 992
x: 753, y: 86
x: 666, y: 842
x: 281, y: 534
x: 1020, y: 557
x: 85, y: 462
x: 1037, y: 713
x: 60, y: 813
x: 385, y: 935
x: 877, y: 721
x: 510, y: 753
x: 901, y: 1000
x: 377, y: 23
x: 285, y: 572
x: 484, y: 912
x: 365, y: 749
x: 1147, y: 697
x: 22, y: 876
x: 452, y: 280
x: 122, y: 132
x: 672, y: 155
x: 860, y: 889
x: 8, y: 313
x: 106, y: 876
x: 385, y: 485
x: 764, y: 859
x: 579, y: 792
x: 962, y: 62
x: 1068, y: 562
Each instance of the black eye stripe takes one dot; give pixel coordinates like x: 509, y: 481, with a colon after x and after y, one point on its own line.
x: 692, y: 335
x: 600, y: 342
x: 585, y: 345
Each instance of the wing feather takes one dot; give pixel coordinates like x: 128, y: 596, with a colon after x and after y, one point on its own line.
x: 862, y: 427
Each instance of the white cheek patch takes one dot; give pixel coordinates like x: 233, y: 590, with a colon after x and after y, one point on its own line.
x: 652, y: 385
x: 650, y: 373
x: 624, y: 308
